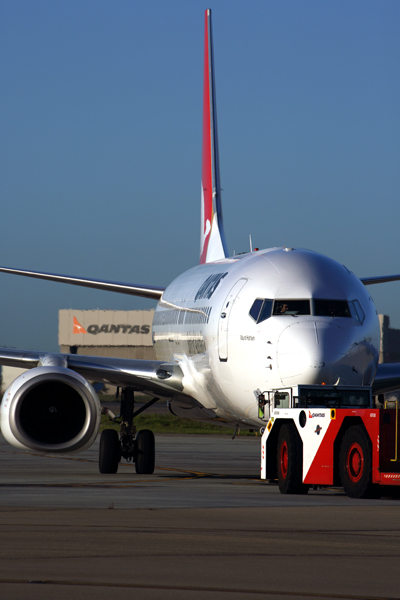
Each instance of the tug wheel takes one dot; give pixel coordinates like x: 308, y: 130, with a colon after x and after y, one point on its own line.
x: 290, y: 461
x: 109, y: 452
x: 283, y: 454
x: 355, y: 464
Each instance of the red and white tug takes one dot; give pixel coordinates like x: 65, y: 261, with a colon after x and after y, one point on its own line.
x: 319, y: 435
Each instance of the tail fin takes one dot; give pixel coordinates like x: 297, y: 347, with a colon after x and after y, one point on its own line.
x: 212, y: 240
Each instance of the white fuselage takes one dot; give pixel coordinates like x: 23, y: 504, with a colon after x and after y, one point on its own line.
x: 208, y: 320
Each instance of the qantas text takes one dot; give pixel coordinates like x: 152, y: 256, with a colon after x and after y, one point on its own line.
x: 95, y: 329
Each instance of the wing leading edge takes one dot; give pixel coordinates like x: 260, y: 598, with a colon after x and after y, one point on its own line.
x: 383, y: 279
x: 145, y: 291
x: 148, y: 376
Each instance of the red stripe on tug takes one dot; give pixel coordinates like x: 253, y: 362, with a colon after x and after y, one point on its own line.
x: 321, y: 469
x: 206, y: 174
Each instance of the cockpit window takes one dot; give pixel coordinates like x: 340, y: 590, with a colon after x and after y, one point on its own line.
x: 356, y: 311
x: 291, y: 307
x: 331, y: 308
x: 255, y: 309
x: 261, y: 309
x: 265, y: 312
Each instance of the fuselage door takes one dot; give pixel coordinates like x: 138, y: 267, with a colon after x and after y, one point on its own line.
x: 224, y: 319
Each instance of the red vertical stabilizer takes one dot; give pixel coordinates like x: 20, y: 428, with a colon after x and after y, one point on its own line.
x: 212, y: 237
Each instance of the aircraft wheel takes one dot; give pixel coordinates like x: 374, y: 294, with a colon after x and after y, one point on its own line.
x: 290, y: 461
x: 109, y: 453
x: 145, y: 452
x: 355, y: 464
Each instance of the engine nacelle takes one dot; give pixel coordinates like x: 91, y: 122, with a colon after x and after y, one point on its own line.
x: 50, y: 409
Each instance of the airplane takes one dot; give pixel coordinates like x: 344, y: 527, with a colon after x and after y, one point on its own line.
x: 225, y: 333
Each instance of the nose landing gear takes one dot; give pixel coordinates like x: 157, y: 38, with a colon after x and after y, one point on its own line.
x: 138, y: 447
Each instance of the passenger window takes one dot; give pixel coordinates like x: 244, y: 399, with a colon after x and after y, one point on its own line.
x: 356, y: 311
x: 291, y: 307
x: 331, y: 308
x: 261, y: 309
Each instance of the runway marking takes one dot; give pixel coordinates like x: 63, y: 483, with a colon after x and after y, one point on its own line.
x: 189, y: 588
x: 89, y: 460
x: 103, y: 484
x: 114, y: 484
x: 119, y: 484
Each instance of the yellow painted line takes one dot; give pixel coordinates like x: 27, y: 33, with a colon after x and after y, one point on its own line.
x: 117, y: 483
x: 195, y: 588
x: 250, y: 482
x: 122, y: 464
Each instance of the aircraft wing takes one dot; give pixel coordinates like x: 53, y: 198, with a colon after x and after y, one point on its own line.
x: 145, y: 291
x: 387, y: 378
x: 148, y: 376
x: 383, y: 279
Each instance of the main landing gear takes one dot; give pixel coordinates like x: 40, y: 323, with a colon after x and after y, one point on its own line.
x: 137, y: 447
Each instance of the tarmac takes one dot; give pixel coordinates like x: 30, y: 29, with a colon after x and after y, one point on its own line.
x: 202, y: 526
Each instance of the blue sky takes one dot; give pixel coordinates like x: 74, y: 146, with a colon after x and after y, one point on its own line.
x: 100, y: 142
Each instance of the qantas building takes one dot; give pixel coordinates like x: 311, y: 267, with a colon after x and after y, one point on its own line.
x: 120, y: 333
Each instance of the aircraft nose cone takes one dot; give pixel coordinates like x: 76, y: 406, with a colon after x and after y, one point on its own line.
x: 312, y: 352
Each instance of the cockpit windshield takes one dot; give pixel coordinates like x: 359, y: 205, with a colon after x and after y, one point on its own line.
x: 291, y: 307
x: 331, y: 308
x: 263, y: 308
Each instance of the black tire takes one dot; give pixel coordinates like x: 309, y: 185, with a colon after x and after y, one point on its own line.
x: 290, y: 461
x: 145, y: 452
x: 109, y: 452
x: 355, y: 464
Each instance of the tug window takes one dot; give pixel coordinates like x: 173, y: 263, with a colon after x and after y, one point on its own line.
x: 291, y: 307
x: 261, y: 309
x: 330, y: 398
x: 282, y: 400
x: 331, y: 308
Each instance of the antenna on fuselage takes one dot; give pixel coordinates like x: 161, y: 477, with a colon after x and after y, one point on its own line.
x: 251, y: 243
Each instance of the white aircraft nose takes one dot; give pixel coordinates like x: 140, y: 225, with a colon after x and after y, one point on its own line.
x: 314, y: 352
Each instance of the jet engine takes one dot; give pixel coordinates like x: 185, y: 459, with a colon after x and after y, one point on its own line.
x: 50, y: 409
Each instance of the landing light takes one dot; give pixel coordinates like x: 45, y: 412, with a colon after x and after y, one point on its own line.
x: 164, y: 374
